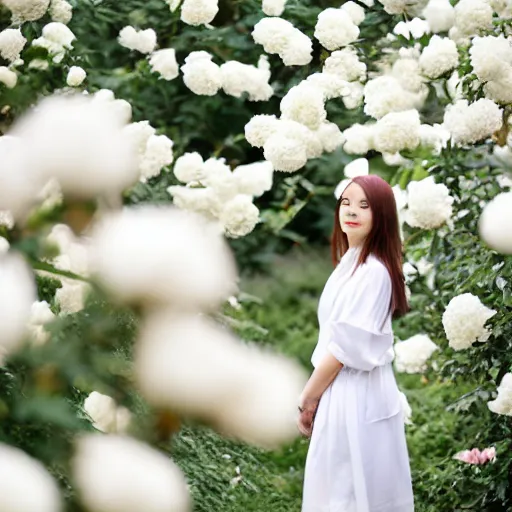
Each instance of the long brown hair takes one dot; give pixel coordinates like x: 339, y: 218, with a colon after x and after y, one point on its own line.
x: 383, y: 240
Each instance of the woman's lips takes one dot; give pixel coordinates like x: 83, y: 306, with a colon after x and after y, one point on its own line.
x: 352, y: 224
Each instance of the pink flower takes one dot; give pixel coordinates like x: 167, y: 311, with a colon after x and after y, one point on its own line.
x: 475, y: 456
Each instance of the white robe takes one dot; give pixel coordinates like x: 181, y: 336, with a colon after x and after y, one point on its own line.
x: 357, y: 459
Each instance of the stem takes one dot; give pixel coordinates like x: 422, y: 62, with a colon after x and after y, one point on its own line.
x: 40, y: 265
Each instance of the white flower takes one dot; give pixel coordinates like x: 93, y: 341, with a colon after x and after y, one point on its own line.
x: 286, y: 154
x: 40, y: 314
x: 158, y: 155
x: 239, y: 216
x: 304, y: 103
x: 491, y: 57
x: 254, y: 179
x: 17, y: 293
x: 435, y: 137
x: 464, y: 319
x: 332, y: 86
x: 164, y: 62
x: 412, y: 354
x: 357, y: 167
x: 439, y: 57
x: 273, y: 7
x: 298, y: 50
x: 143, y: 41
x: 120, y: 474
x: 335, y: 29
x: 203, y: 201
x: 440, y: 15
x: 201, y: 75
x: 238, y: 78
x: 345, y: 64
x: 406, y: 409
x: 61, y: 11
x: 397, y: 131
x: 27, y: 10
x: 76, y: 76
x: 4, y: 246
x: 330, y: 136
x: 260, y: 128
x: 189, y: 167
x: 355, y: 97
x: 139, y: 134
x: 308, y: 138
x: 162, y: 255
x: 355, y: 11
x: 12, y: 43
x: 416, y: 28
x: 430, y: 204
x: 199, y: 12
x: 71, y: 297
x: 503, y: 402
x: 472, y: 16
x: 7, y: 77
x: 407, y: 71
x: 80, y: 142
x: 395, y: 6
x: 494, y: 225
x: 39, y: 64
x: 500, y: 90
x: 26, y: 485
x: 58, y: 34
x: 106, y: 415
x: 6, y: 218
x: 470, y: 123
x: 358, y: 139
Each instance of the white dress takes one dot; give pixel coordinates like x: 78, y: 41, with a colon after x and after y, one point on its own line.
x: 357, y: 459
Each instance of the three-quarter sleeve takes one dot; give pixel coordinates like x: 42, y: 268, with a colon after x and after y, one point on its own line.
x: 360, y: 334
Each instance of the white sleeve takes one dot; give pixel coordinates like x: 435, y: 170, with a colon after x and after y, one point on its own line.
x: 360, y: 334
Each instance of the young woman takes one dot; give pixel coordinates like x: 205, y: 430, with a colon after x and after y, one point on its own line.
x: 351, y: 406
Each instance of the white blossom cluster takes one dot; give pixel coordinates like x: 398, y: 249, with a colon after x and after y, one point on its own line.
x: 464, y: 321
x: 410, y: 7
x: 201, y: 75
x: 397, y: 131
x: 273, y: 7
x: 503, y: 402
x: 470, y: 123
x: 40, y: 315
x: 164, y: 62
x: 105, y: 414
x: 218, y: 193
x: 76, y: 76
x: 494, y: 225
x: 439, y: 57
x: 144, y: 41
x: 4, y: 245
x: 199, y: 12
x: 336, y: 28
x: 26, y: 10
x: 411, y: 355
x: 440, y: 15
x: 61, y: 11
x: 414, y: 28
x: 56, y: 38
x: 471, y: 17
x: 304, y: 103
x: 280, y: 36
x: 8, y: 77
x: 12, y: 43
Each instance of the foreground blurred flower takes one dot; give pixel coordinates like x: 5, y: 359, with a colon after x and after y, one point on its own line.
x: 25, y: 485
x: 106, y: 415
x: 412, y: 354
x: 17, y: 294
x: 4, y: 246
x: 464, y: 321
x: 494, y: 225
x: 475, y: 456
x: 163, y: 255
x: 143, y: 41
x: 26, y: 10
x: 40, y: 315
x: 119, y: 474
x: 199, y: 12
x: 164, y: 62
x: 12, y: 43
x: 79, y: 142
x: 503, y: 402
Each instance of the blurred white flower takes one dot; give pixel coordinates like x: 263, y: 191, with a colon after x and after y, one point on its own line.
x: 286, y: 154
x: 79, y: 142
x: 203, y: 201
x: 491, y: 57
x: 464, y: 319
x: 201, y: 75
x: 158, y: 155
x: 355, y: 11
x: 503, y: 402
x: 61, y: 11
x: 40, y: 314
x: 239, y: 216
x: 469, y: 123
x: 357, y: 167
x: 8, y: 78
x: 416, y: 28
x: 411, y: 355
x: 273, y: 7
x: 406, y: 409
x: 56, y: 38
x: 440, y: 15
x: 332, y: 86
x: 26, y: 485
x: 120, y: 474
x: 397, y: 131
x: 6, y: 218
x: 429, y: 204
x: 345, y: 64
x: 355, y: 97
x: 301, y: 133
x: 164, y: 62
x: 39, y: 64
x: 4, y: 246
x: 189, y: 167
x: 260, y: 128
x: 163, y: 255
x: 304, y: 103
x: 471, y: 16
x: 144, y: 41
x: 254, y: 179
x: 76, y: 76
x: 439, y: 57
x: 199, y: 12
x: 12, y: 43
x: 27, y: 10
x: 335, y: 28
x: 71, y: 297
x: 330, y: 136
x: 494, y: 224
x: 238, y: 78
x: 358, y: 139
x: 17, y: 294
x: 106, y: 415
x: 435, y: 137
x: 117, y: 108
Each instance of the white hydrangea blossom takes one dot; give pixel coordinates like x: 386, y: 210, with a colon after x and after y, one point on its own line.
x: 118, y: 108
x: 56, y: 38
x: 26, y: 485
x: 201, y: 75
x: 280, y: 36
x: 12, y: 43
x: 411, y: 355
x: 471, y: 16
x: 189, y: 167
x: 435, y: 137
x: 395, y: 6
x: 359, y: 139
x: 355, y: 11
x: 494, y: 224
x: 439, y: 57
x: 304, y: 103
x: 397, y: 131
x: 144, y: 41
x: 203, y: 201
x: 491, y: 57
x: 330, y: 136
x: 345, y: 64
x: 260, y: 128
x: 76, y: 76
x: 40, y: 315
x: 440, y: 15
x: 429, y: 204
x: 273, y: 7
x: 469, y: 123
x: 407, y: 71
x: 61, y: 11
x: 6, y: 219
x: 199, y: 12
x: 116, y: 473
x: 4, y: 246
x: 332, y: 86
x: 239, y: 216
x: 238, y: 78
x: 335, y: 29
x: 503, y: 402
x: 164, y: 62
x: 286, y: 154
x: 158, y: 155
x: 8, y: 78
x: 500, y: 91
x: 39, y: 64
x: 27, y: 10
x: 254, y: 179
x: 355, y: 96
x: 105, y: 414
x: 416, y: 28
x: 464, y: 321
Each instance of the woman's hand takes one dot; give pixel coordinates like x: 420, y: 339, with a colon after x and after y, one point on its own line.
x: 306, y: 418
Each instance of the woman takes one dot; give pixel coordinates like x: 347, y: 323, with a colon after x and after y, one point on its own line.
x: 357, y: 459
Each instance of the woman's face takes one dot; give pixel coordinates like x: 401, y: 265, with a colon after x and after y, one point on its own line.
x: 356, y: 218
